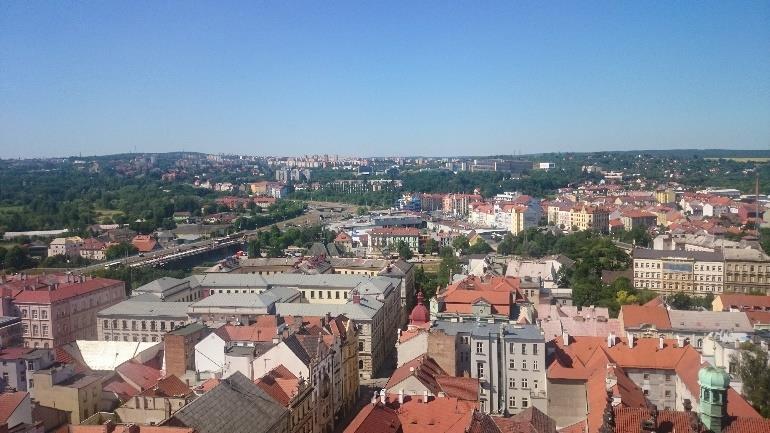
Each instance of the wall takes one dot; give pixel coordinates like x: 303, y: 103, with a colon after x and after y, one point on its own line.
x: 567, y: 403
x: 441, y: 347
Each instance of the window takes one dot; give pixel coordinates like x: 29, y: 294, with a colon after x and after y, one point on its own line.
x: 523, y: 364
x: 511, y: 347
x: 668, y: 378
x: 534, y: 365
x: 523, y: 349
x: 34, y: 314
x: 646, y: 392
x: 162, y: 326
x: 360, y: 364
x: 106, y: 324
x: 479, y: 347
x: 535, y: 384
x: 511, y: 382
x: 44, y: 314
x: 668, y: 393
x: 511, y: 364
x: 480, y: 370
x: 646, y: 376
x: 35, y: 330
x: 45, y: 330
x: 24, y: 312
x: 524, y: 382
x: 524, y: 402
x: 312, y: 294
x: 534, y: 349
x: 466, y: 339
x: 125, y: 325
x: 512, y: 401
x: 360, y: 346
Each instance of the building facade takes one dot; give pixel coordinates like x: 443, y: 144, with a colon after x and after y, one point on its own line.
x: 694, y: 272
x: 133, y: 320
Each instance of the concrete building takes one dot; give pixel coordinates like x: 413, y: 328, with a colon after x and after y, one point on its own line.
x: 508, y: 360
x: 240, y: 307
x: 590, y: 218
x: 235, y: 405
x: 386, y: 240
x: 135, y: 320
x: 16, y: 413
x: 169, y: 289
x: 58, y: 309
x: 69, y: 246
x: 293, y: 393
x: 746, y: 271
x: 155, y: 404
x: 59, y: 387
x: 179, y: 347
x: 10, y: 331
x: 18, y: 365
x: 693, y: 272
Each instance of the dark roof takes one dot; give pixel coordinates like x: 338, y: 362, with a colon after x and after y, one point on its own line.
x: 236, y: 405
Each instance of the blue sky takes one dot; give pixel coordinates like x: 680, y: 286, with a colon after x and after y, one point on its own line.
x: 382, y: 78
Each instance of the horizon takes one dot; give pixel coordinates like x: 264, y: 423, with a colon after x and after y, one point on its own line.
x: 366, y: 79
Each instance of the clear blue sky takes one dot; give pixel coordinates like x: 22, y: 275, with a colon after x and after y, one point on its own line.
x: 382, y: 78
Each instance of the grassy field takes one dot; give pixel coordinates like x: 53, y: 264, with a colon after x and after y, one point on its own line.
x: 103, y: 214
x: 752, y: 159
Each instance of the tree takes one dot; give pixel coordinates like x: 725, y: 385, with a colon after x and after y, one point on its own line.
x: 3, y: 252
x: 404, y: 252
x: 480, y: 247
x: 448, y: 267
x: 254, y: 248
x: 431, y: 246
x: 120, y: 250
x: 362, y: 210
x: 425, y: 283
x: 680, y: 301
x: 460, y: 243
x: 17, y: 258
x: 751, y: 366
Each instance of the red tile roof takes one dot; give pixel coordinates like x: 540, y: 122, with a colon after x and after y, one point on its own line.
x: 749, y: 302
x: 634, y: 316
x: 9, y: 401
x: 41, y: 291
x: 375, y: 418
x: 280, y: 384
x: 170, y: 386
x: 139, y: 375
x: 144, y: 243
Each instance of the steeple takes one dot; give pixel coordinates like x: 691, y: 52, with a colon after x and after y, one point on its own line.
x: 712, y: 408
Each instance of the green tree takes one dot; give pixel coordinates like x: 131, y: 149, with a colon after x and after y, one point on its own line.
x: 460, y: 243
x: 449, y: 266
x: 17, y: 258
x: 254, y: 248
x: 479, y: 247
x: 751, y: 366
x: 3, y: 252
x: 362, y: 210
x: 404, y: 252
x: 431, y: 246
x: 120, y: 250
x: 425, y: 283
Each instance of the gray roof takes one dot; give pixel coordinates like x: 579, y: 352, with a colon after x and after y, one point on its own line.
x: 188, y: 329
x: 483, y: 329
x: 236, y: 405
x: 366, y: 310
x: 8, y: 320
x: 260, y: 300
x: 349, y: 262
x: 745, y: 254
x: 701, y: 256
x: 130, y: 307
x: 708, y: 321
x: 162, y: 285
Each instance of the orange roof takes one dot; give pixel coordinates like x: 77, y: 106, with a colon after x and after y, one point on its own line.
x: 747, y: 302
x: 634, y: 316
x: 263, y: 330
x: 280, y: 384
x: 144, y: 243
x: 38, y: 292
x: 759, y: 317
x: 375, y: 418
x: 9, y: 401
x: 170, y: 386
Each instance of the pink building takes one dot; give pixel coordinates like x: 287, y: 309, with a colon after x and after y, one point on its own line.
x: 58, y: 309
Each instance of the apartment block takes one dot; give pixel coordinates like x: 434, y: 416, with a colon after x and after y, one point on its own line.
x: 695, y: 272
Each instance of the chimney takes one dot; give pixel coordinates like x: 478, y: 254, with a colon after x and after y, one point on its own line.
x: 109, y: 426
x: 630, y: 338
x: 425, y: 396
x: 411, y: 369
x: 356, y: 297
x: 611, y: 340
x: 400, y: 396
x: 565, y: 337
x: 660, y: 343
x: 679, y: 341
x: 374, y: 398
x: 382, y: 396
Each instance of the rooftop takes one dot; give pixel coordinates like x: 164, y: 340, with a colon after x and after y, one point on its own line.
x: 130, y: 307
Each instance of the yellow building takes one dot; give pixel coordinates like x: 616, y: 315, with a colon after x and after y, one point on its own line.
x: 665, y: 195
x: 590, y: 218
x: 59, y: 388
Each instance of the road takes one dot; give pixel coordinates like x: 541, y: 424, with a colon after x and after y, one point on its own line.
x: 312, y: 216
